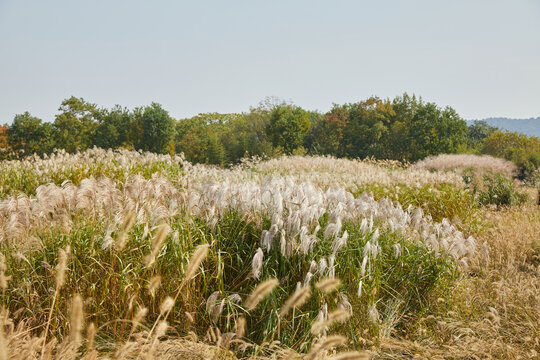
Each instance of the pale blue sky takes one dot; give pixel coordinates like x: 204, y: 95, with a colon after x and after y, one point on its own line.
x: 481, y: 57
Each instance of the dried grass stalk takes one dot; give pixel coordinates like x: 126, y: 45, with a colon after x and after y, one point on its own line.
x: 260, y: 292
x: 327, y: 285
x: 296, y: 300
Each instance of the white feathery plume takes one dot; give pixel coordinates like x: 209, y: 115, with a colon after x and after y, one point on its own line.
x: 257, y: 263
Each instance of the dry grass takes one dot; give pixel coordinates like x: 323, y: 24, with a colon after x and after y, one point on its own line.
x: 460, y: 162
x: 173, y: 247
x: 495, y: 310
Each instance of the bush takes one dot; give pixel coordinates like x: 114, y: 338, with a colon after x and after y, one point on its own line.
x: 499, y: 191
x: 529, y: 169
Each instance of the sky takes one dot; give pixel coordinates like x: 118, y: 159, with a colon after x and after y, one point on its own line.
x: 482, y: 57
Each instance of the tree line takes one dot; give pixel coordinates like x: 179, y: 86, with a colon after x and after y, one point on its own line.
x: 405, y: 128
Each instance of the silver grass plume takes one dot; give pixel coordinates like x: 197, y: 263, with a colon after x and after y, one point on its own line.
x: 166, y: 305
x: 328, y: 285
x: 259, y: 293
x: 325, y: 344
x: 129, y: 221
x: 61, y: 266
x: 157, y: 244
x: 296, y: 300
x: 257, y: 263
x: 336, y: 316
x: 153, y: 285
x: 196, y: 259
x: 76, y: 320
x: 3, y: 268
x: 351, y: 355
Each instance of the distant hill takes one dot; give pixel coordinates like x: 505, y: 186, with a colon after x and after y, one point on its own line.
x: 525, y: 126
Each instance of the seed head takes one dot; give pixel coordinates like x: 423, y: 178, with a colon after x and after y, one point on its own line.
x: 327, y: 285
x: 296, y: 300
x: 260, y: 292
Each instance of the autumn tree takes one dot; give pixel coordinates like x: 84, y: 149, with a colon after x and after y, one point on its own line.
x: 3, y: 138
x: 366, y: 127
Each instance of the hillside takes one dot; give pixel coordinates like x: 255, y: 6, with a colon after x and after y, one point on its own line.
x: 525, y: 126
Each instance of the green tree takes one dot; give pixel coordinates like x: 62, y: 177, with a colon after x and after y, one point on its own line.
x: 434, y: 131
x: 215, y: 152
x: 115, y: 129
x: 523, y: 150
x: 478, y: 131
x: 366, y: 128
x: 74, y: 127
x: 398, y: 141
x: 158, y: 130
x: 288, y: 126
x: 28, y: 134
x: 325, y: 134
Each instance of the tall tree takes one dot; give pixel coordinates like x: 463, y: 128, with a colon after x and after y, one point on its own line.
x: 28, y: 134
x: 478, y: 131
x: 74, y: 127
x: 326, y: 131
x: 434, y: 131
x: 158, y: 130
x: 115, y: 128
x: 288, y: 126
x: 398, y: 142
x: 367, y: 125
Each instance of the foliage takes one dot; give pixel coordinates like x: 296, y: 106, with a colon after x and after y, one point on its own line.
x: 287, y: 127
x: 405, y: 129
x: 158, y: 130
x: 435, y: 131
x: 497, y: 190
x: 523, y: 150
x: 478, y: 131
x: 118, y: 127
x: 29, y: 135
x: 442, y: 201
x: 74, y: 127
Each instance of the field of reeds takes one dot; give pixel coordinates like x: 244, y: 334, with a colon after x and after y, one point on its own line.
x: 463, y: 162
x: 128, y: 255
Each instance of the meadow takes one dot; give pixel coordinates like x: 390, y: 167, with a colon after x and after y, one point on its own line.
x: 126, y: 255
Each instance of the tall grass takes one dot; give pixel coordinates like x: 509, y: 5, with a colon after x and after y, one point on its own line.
x: 213, y: 253
x: 461, y: 162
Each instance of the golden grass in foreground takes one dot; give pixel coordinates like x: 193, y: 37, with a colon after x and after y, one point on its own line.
x: 494, y: 314
x: 495, y: 310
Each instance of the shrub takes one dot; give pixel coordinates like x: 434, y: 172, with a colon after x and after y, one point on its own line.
x: 499, y: 191
x: 529, y: 169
